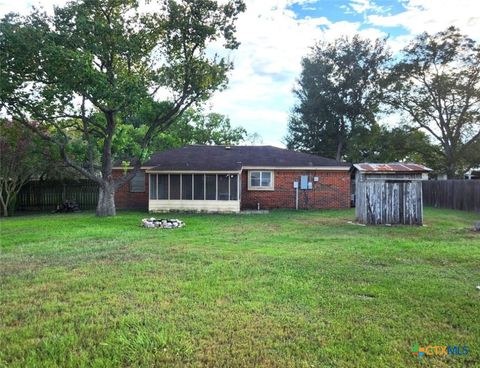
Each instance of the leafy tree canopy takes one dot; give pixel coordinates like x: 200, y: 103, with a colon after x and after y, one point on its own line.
x: 95, y: 70
x: 23, y: 155
x: 436, y: 84
x: 338, y: 95
x: 195, y: 127
x: 398, y: 144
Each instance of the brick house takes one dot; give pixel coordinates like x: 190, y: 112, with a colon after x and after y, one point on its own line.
x: 233, y: 178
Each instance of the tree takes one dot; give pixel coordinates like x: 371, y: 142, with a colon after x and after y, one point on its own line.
x: 339, y: 92
x: 95, y: 69
x: 194, y: 127
x: 398, y: 144
x: 437, y: 85
x: 22, y: 155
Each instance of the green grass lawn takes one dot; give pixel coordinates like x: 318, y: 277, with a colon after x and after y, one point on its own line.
x: 286, y: 289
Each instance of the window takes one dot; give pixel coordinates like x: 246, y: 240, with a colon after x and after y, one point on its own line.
x: 223, y: 191
x: 153, y: 186
x: 199, y: 187
x: 187, y: 186
x: 266, y: 179
x: 233, y: 187
x: 162, y: 182
x: 211, y: 187
x: 137, y: 184
x: 174, y: 186
x: 260, y: 180
x: 255, y: 178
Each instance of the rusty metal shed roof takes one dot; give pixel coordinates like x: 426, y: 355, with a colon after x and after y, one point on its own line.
x: 391, y: 168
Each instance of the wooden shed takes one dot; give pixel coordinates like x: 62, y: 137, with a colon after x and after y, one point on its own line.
x: 389, y: 193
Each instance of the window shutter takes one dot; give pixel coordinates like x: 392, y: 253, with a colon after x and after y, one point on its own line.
x: 137, y: 184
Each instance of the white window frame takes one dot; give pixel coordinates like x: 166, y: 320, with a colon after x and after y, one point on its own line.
x: 260, y: 187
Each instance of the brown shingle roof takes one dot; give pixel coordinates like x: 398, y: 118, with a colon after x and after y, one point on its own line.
x: 210, y: 158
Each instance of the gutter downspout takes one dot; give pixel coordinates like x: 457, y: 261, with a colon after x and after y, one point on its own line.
x: 296, y: 198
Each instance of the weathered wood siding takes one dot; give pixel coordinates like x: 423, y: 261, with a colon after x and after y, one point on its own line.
x: 390, y: 200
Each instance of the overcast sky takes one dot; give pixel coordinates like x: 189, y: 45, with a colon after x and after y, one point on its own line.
x: 275, y: 34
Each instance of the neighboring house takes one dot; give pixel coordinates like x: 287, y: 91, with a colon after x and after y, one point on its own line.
x: 231, y: 178
x: 473, y: 174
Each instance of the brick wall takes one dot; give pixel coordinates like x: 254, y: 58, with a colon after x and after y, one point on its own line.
x: 124, y: 199
x: 331, y: 191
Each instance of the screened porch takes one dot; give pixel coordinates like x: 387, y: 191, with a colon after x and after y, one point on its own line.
x: 204, y: 192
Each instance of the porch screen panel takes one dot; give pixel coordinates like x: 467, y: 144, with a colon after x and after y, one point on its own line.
x: 223, y: 192
x: 233, y: 187
x: 186, y: 186
x: 174, y: 186
x: 162, y: 181
x: 153, y: 186
x: 211, y: 187
x: 199, y: 186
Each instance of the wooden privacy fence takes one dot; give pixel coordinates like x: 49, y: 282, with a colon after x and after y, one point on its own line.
x: 47, y: 195
x: 455, y: 194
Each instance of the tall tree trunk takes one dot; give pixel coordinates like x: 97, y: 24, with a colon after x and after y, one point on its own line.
x: 338, y: 156
x: 452, y: 168
x: 106, y: 200
x: 340, y: 140
x: 4, y: 210
x: 4, y: 199
x: 452, y: 172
